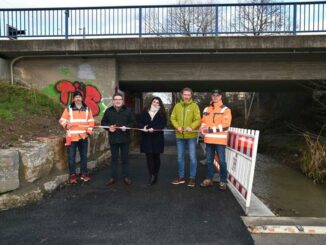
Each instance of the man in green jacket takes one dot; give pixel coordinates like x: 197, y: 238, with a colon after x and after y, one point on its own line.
x: 185, y: 118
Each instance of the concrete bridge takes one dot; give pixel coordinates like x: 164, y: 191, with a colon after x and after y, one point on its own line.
x: 260, y: 63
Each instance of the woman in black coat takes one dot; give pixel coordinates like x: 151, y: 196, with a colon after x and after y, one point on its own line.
x: 152, y: 120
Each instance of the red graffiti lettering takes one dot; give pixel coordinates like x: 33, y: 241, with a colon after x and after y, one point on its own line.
x: 64, y: 87
x: 92, y: 98
x: 91, y: 94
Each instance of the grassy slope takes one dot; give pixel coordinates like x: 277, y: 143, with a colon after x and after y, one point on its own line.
x: 26, y: 114
x: 17, y: 101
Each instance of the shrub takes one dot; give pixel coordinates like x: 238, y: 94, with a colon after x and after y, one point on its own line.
x: 314, y: 159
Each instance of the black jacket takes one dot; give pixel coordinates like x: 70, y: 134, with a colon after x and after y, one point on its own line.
x: 123, y: 117
x: 152, y: 142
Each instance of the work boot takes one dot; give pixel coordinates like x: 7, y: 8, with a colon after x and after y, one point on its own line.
x: 73, y: 179
x: 178, y: 181
x: 222, y: 186
x: 85, y: 177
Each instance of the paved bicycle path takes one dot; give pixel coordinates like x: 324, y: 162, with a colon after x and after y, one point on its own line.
x: 162, y: 214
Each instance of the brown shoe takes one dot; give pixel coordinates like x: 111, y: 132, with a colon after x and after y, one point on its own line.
x: 206, y: 183
x: 111, y: 181
x: 178, y: 181
x: 192, y: 182
x: 127, y: 181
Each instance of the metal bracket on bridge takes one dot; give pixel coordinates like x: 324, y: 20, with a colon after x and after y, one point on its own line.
x: 12, y: 32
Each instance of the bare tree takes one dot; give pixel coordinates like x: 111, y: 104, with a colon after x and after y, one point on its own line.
x: 260, y: 16
x: 185, y: 21
x: 256, y: 17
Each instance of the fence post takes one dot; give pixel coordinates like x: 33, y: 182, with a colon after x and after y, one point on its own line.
x: 66, y: 23
x: 216, y: 20
x: 140, y: 22
x: 294, y: 28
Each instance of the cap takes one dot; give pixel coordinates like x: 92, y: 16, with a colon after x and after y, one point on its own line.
x: 217, y: 91
x: 76, y: 93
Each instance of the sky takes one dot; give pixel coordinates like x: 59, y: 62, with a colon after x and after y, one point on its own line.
x: 89, y: 3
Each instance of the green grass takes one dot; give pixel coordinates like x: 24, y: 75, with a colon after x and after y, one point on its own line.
x: 18, y: 101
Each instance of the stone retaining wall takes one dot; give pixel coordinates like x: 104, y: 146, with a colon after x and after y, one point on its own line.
x: 38, y: 167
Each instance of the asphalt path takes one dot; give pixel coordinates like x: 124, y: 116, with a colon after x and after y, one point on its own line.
x: 161, y: 214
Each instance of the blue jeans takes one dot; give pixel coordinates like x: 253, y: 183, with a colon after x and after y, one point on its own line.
x: 123, y: 148
x: 82, y: 145
x: 210, y: 153
x: 181, y: 147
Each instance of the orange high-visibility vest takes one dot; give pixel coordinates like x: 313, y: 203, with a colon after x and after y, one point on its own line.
x: 81, y: 121
x: 217, y: 120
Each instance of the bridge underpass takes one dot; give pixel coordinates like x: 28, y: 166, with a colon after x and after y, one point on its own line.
x: 233, y: 72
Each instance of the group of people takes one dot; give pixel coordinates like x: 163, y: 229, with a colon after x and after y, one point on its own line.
x: 186, y: 119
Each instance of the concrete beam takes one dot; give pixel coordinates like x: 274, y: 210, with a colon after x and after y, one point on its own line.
x: 233, y: 72
x: 161, y: 44
x: 223, y: 71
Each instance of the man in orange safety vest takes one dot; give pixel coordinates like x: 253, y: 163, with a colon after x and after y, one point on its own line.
x: 215, y: 124
x: 78, y: 120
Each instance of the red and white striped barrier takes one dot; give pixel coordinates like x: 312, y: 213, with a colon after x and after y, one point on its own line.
x: 241, y: 153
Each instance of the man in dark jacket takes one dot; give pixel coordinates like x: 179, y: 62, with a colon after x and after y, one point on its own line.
x: 118, y: 117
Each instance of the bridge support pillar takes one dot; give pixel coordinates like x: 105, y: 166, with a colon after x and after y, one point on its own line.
x: 4, y: 70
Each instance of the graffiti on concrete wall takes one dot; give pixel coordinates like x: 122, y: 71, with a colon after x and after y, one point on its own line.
x: 92, y: 96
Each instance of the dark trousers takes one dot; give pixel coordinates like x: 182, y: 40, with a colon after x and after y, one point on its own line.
x: 82, y: 146
x: 153, y: 163
x: 123, y: 149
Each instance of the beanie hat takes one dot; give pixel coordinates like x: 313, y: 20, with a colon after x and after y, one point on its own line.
x: 217, y: 91
x: 76, y: 93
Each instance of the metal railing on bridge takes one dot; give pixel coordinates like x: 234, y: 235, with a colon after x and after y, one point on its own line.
x: 165, y: 20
